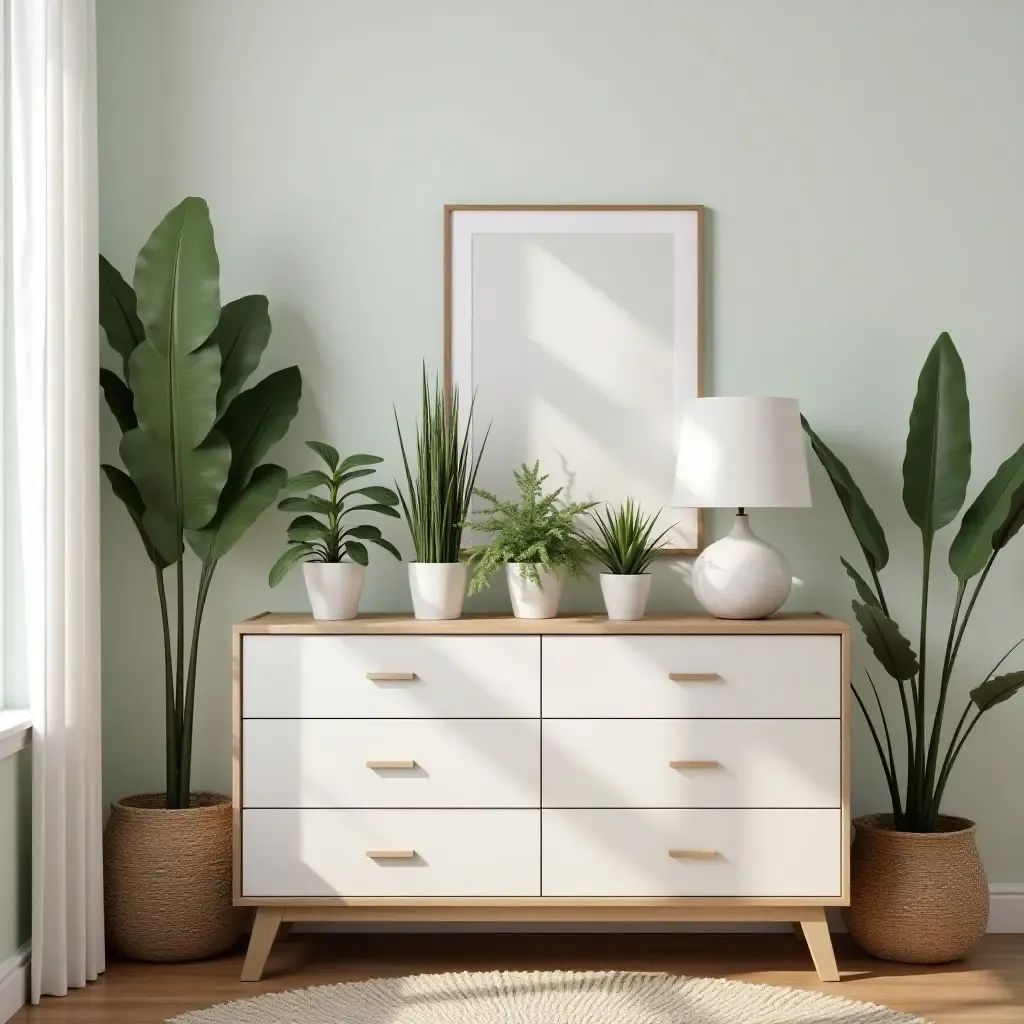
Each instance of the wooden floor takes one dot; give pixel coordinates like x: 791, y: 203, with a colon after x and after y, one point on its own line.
x: 986, y: 989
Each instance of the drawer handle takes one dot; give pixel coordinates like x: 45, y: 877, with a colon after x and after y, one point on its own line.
x: 695, y: 677
x: 699, y: 765
x: 694, y: 854
x: 391, y: 854
x: 383, y: 766
x: 391, y: 677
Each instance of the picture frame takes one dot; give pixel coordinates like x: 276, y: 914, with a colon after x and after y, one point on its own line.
x: 578, y: 329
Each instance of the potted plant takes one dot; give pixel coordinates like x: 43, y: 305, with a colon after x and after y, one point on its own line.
x: 623, y: 544
x: 536, y: 540
x: 436, y: 502
x: 192, y: 444
x: 919, y: 892
x: 333, y: 554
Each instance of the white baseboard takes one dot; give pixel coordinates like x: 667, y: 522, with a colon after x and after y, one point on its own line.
x: 14, y: 981
x: 1006, y: 916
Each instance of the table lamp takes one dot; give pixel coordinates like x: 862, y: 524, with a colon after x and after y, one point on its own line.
x: 741, y: 453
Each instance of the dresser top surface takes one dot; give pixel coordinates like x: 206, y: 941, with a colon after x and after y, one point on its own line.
x: 564, y: 625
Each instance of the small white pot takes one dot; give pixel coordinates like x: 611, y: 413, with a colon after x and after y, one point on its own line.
x: 530, y: 601
x: 625, y: 596
x: 335, y: 588
x: 438, y: 589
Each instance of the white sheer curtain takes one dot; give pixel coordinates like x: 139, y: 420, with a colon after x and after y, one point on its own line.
x: 50, y: 338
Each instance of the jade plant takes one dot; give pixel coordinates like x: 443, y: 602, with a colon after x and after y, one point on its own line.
x: 936, y: 474
x: 321, y: 532
x: 538, y: 530
x: 193, y: 441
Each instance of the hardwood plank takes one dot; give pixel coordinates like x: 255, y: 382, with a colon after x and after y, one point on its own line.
x: 988, y: 988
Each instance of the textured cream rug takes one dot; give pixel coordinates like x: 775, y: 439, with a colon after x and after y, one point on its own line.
x: 548, y: 997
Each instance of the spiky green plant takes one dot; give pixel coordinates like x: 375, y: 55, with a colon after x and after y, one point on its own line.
x: 623, y: 543
x: 534, y: 531
x: 436, y: 502
x: 311, y: 539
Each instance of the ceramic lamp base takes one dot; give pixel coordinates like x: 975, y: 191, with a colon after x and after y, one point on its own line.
x: 741, y: 576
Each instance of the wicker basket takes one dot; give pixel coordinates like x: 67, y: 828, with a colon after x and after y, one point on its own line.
x: 920, y: 898
x: 167, y: 878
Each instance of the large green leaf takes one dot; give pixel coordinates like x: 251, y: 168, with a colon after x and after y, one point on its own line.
x: 310, y: 503
x: 307, y: 529
x: 1014, y: 520
x: 119, y: 316
x: 974, y: 541
x: 866, y: 527
x: 124, y: 488
x: 995, y: 691
x: 233, y: 520
x: 352, y: 461
x: 889, y: 645
x: 291, y: 558
x: 241, y: 334
x: 256, y: 420
x: 866, y: 594
x: 120, y: 400
x: 937, y: 466
x: 179, y: 463
x: 309, y: 480
x: 382, y: 495
x: 165, y: 535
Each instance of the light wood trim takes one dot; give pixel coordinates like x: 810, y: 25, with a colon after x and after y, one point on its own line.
x: 385, y: 766
x: 694, y: 765
x: 694, y: 854
x: 391, y: 854
x: 392, y: 677
x: 819, y: 941
x: 695, y: 677
x: 846, y: 710
x: 682, y: 625
x: 264, y: 931
x: 452, y: 208
x: 236, y: 765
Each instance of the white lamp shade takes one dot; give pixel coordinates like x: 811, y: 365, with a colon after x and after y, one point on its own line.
x: 741, y: 453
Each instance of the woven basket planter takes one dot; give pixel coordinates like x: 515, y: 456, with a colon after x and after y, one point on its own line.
x: 167, y: 878
x: 919, y: 898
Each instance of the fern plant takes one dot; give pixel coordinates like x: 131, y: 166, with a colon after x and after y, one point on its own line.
x: 310, y: 537
x: 537, y: 530
x: 623, y: 541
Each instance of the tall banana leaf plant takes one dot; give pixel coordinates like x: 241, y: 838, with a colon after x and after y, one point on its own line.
x: 192, y: 440
x: 936, y: 473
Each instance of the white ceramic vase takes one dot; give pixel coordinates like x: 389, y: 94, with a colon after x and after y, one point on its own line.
x: 530, y: 601
x: 438, y: 589
x: 335, y: 588
x: 625, y: 596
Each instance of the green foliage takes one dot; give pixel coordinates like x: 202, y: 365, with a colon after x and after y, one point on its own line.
x: 329, y: 538
x: 936, y: 473
x: 623, y: 543
x: 436, y: 501
x: 193, y: 441
x: 536, y: 530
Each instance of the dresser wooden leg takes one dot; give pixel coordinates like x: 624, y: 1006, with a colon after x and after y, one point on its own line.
x: 814, y: 925
x: 264, y: 931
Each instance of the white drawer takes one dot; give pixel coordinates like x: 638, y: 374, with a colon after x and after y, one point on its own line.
x: 329, y: 762
x: 288, y: 676
x: 739, y: 762
x: 767, y: 853
x: 326, y: 853
x: 777, y: 676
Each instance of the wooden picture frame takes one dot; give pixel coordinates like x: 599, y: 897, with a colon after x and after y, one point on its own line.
x: 579, y: 329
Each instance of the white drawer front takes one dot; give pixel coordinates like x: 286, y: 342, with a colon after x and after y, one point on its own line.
x: 329, y: 677
x: 740, y: 762
x: 777, y: 676
x: 767, y: 853
x: 329, y: 762
x: 326, y: 853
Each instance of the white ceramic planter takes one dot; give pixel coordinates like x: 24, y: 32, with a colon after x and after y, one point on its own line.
x: 530, y: 601
x: 438, y: 589
x: 625, y: 597
x: 335, y: 588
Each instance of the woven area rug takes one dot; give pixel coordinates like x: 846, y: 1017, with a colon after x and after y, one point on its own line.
x: 548, y: 997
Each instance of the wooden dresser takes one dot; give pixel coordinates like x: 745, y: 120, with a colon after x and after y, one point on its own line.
x: 679, y: 768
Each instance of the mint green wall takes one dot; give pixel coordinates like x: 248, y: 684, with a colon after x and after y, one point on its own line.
x: 860, y: 162
x: 15, y: 851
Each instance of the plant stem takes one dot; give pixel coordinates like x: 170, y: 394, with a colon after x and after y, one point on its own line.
x: 185, y: 771
x: 894, y: 793
x: 897, y: 808
x: 878, y: 589
x: 172, y: 737
x: 179, y: 669
x: 921, y: 798
x: 970, y: 607
x: 951, y: 755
